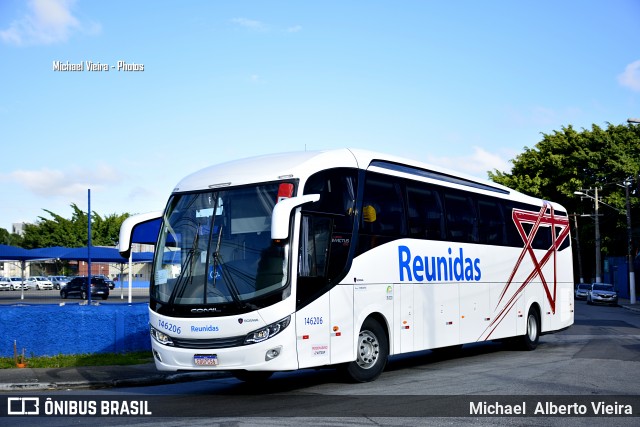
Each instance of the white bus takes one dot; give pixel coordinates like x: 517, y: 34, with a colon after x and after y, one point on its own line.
x: 345, y: 257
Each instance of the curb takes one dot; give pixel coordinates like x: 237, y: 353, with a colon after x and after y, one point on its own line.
x: 129, y: 382
x: 635, y: 308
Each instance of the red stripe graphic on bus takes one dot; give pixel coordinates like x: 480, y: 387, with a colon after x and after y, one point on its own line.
x: 546, y: 218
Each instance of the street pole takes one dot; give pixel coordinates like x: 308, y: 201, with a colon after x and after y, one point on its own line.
x: 632, y: 275
x: 598, y: 255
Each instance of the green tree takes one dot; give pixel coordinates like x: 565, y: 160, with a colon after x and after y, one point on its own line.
x: 568, y: 160
x: 10, y: 239
x: 59, y: 231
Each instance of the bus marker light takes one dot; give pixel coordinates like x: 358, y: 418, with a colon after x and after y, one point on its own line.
x: 285, y: 191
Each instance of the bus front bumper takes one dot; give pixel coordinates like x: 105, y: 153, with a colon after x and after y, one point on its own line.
x: 275, y: 354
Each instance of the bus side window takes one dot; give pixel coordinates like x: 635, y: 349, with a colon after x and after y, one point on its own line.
x: 385, y: 195
x: 425, y: 215
x: 461, y: 218
x: 491, y: 224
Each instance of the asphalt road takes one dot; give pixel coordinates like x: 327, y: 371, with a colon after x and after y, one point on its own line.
x: 595, y: 361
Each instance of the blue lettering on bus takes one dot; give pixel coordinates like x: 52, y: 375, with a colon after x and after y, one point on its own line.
x: 451, y: 268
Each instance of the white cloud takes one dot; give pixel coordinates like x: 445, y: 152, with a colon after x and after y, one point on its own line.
x: 46, y: 22
x: 48, y: 183
x: 294, y: 29
x: 250, y: 24
x: 476, y: 164
x: 631, y: 76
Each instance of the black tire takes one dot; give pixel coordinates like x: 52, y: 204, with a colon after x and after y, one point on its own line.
x: 105, y: 296
x: 252, y: 376
x: 529, y: 341
x: 63, y: 295
x: 372, y: 353
x: 83, y: 294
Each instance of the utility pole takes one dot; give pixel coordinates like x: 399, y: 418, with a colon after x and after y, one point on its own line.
x: 632, y: 274
x: 598, y: 254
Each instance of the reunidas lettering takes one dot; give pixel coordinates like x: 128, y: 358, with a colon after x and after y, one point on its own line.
x: 208, y: 328
x: 437, y: 268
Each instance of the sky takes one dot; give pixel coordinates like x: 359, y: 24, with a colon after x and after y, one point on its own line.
x: 463, y: 84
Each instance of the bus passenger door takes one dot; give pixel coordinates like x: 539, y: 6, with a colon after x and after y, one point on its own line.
x: 313, y: 320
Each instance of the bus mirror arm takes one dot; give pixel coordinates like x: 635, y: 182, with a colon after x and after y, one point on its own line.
x: 128, y: 226
x: 282, y: 213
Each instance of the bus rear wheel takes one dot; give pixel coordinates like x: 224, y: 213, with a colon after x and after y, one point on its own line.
x: 529, y: 341
x: 372, y: 353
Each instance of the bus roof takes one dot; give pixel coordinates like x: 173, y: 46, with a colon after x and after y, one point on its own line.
x: 301, y: 164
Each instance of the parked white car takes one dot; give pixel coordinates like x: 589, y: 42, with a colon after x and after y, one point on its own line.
x: 39, y: 282
x: 17, y: 284
x: 5, y: 284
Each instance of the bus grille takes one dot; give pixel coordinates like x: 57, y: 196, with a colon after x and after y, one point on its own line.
x: 208, y: 344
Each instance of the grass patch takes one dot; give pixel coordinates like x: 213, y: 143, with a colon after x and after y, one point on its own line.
x: 74, y: 360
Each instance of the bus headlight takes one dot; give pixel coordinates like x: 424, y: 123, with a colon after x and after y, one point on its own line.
x: 161, y: 337
x: 267, y: 332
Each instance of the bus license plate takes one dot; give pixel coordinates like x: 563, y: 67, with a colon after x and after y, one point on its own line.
x: 205, y: 359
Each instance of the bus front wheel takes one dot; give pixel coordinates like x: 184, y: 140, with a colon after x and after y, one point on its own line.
x: 372, y: 353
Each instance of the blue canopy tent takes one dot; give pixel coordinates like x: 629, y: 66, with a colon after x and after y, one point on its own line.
x: 14, y: 253
x: 97, y: 254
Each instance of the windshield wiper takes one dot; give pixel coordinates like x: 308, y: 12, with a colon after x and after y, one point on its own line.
x: 228, y: 280
x: 190, y: 261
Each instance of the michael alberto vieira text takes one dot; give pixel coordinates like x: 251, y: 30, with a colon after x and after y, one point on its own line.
x: 549, y: 408
x: 96, y: 66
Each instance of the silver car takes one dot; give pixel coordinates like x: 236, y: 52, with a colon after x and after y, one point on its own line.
x: 602, y: 293
x: 5, y: 284
x: 59, y: 282
x: 582, y: 290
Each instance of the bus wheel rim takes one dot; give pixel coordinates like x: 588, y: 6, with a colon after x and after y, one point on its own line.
x: 368, y: 350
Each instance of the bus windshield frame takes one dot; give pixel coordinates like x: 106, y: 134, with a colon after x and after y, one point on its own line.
x: 215, y: 255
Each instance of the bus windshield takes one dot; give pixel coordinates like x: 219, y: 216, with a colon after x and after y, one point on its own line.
x: 215, y: 248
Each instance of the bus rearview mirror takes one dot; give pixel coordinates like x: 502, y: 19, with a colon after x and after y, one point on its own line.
x: 282, y: 213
